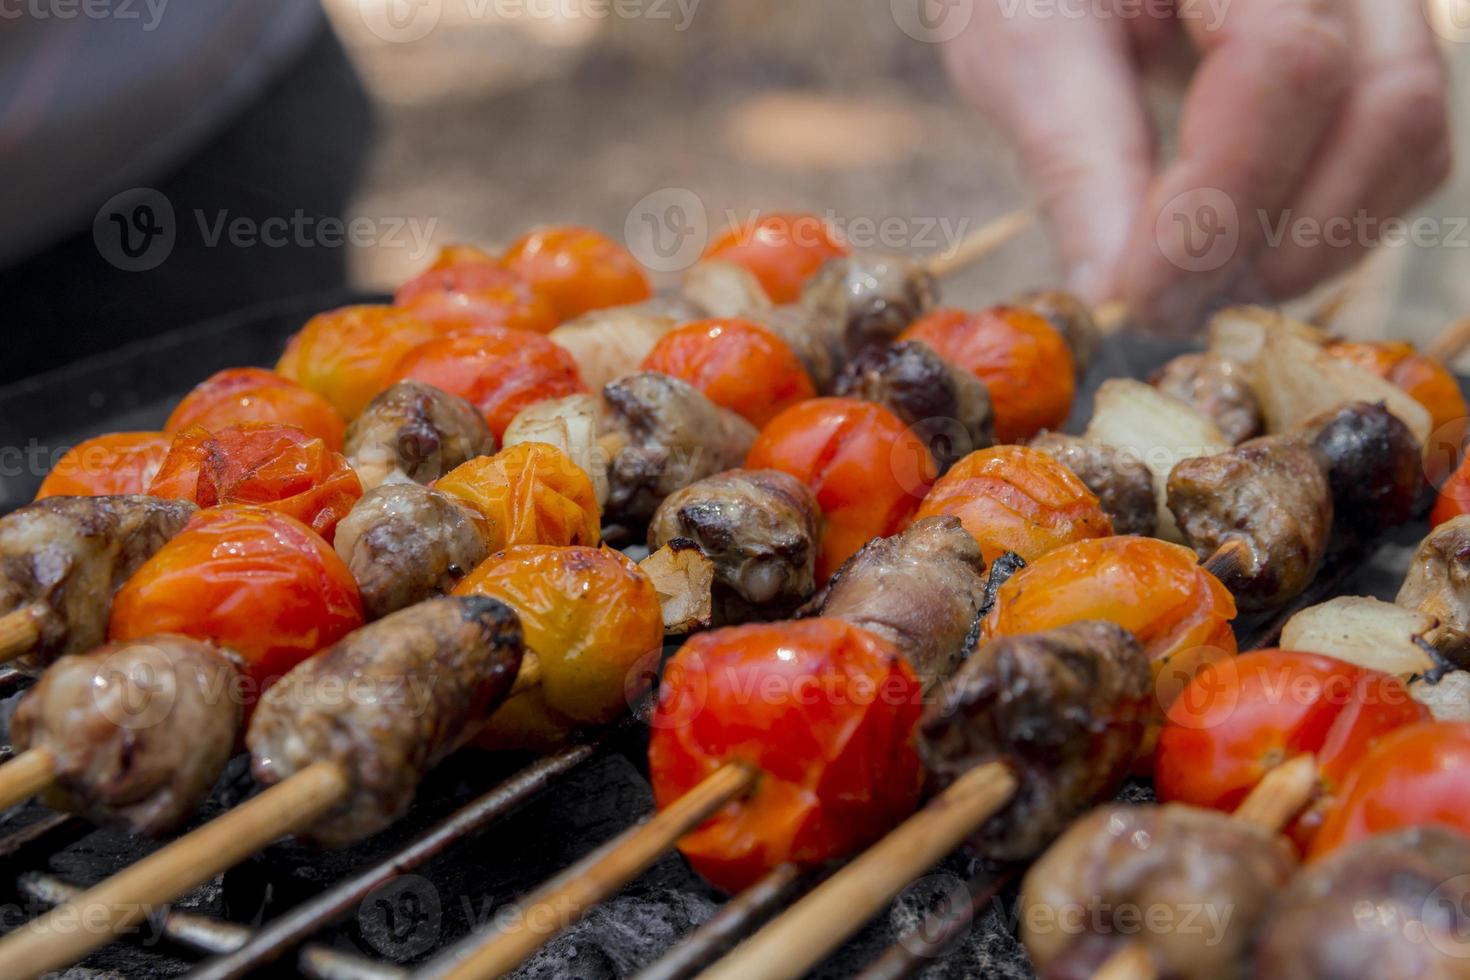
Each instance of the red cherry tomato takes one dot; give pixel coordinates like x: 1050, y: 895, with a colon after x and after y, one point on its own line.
x: 1454, y: 496
x: 577, y: 269
x: 498, y: 370
x: 1240, y: 718
x: 1412, y: 777
x: 121, y: 462
x: 463, y: 294
x: 868, y: 471
x: 1022, y: 359
x: 738, y: 365
x: 782, y: 251
x: 348, y: 355
x: 250, y: 579
x: 277, y: 466
x: 257, y: 395
x: 825, y: 711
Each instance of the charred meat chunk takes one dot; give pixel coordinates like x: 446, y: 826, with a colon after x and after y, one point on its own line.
x: 1438, y: 582
x: 1374, y: 468
x: 1065, y: 710
x: 1123, y: 485
x: 810, y: 334
x: 872, y: 297
x: 139, y: 730
x: 386, y: 704
x: 414, y: 432
x: 405, y: 543
x: 947, y: 407
x: 1070, y: 317
x: 1272, y: 496
x: 761, y: 528
x: 64, y: 557
x: 1218, y: 389
x: 921, y: 590
x: 662, y: 435
x: 1203, y: 879
x: 1415, y: 884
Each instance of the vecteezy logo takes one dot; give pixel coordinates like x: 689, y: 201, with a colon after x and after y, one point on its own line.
x: 402, y: 918
x: 1450, y: 19
x: 135, y: 229
x: 922, y: 913
x: 137, y: 689
x: 1199, y: 230
x: 400, y: 21
x: 932, y: 21
x: 668, y: 229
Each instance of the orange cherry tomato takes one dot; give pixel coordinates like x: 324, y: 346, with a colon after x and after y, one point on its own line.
x: 498, y: 370
x: 1022, y: 359
x: 782, y: 251
x: 1416, y: 776
x: 257, y: 395
x: 250, y: 579
x: 276, y: 466
x: 1454, y: 496
x: 1240, y: 718
x: 577, y: 269
x: 1011, y: 498
x: 594, y: 622
x: 738, y: 365
x: 465, y: 294
x: 349, y: 355
x: 824, y: 710
x: 868, y: 471
x: 120, y: 462
x: 529, y: 493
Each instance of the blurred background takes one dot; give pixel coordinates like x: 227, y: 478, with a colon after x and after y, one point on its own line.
x: 371, y: 130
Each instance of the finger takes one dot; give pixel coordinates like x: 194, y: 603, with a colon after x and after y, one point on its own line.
x: 1066, y: 93
x: 1387, y: 151
x: 1272, y: 76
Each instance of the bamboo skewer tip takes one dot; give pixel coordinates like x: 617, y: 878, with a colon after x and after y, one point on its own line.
x: 980, y: 243
x: 26, y: 775
x: 19, y: 631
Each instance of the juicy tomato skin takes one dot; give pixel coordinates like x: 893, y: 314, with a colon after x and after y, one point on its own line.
x: 498, y: 370
x: 120, y: 462
x: 824, y: 710
x: 276, y: 466
x: 1454, y: 496
x: 530, y: 493
x: 257, y: 395
x: 577, y: 269
x: 1011, y: 498
x: 737, y: 364
x: 349, y: 355
x: 1022, y: 359
x: 594, y: 622
x: 781, y: 250
x: 250, y: 579
x: 464, y: 294
x: 1411, y: 777
x: 868, y: 471
x: 1239, y: 718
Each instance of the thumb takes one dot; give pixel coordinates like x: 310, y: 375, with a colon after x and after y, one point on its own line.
x: 1066, y: 93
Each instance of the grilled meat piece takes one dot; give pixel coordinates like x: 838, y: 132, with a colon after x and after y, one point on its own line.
x: 921, y: 590
x: 405, y: 543
x: 1123, y: 485
x: 1272, y: 495
x: 1065, y: 710
x: 1218, y: 389
x: 664, y: 435
x: 140, y: 730
x: 1191, y: 884
x: 68, y: 555
x: 414, y: 432
x: 871, y: 297
x: 1374, y: 468
x: 1438, y: 583
x: 946, y: 406
x: 1071, y: 317
x: 386, y: 704
x: 761, y: 528
x: 1415, y: 884
x: 810, y: 333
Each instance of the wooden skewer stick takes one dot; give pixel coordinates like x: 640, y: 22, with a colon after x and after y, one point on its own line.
x: 563, y: 900
x: 19, y: 631
x: 26, y: 775
x: 1450, y: 342
x: 835, y: 909
x: 981, y: 242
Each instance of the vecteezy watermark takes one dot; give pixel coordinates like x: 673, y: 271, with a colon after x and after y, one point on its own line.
x: 1210, y: 13
x: 668, y: 229
x: 1450, y: 19
x: 405, y: 21
x: 137, y: 230
x: 1199, y: 230
x: 1098, y: 916
x: 922, y: 913
x: 148, y: 13
x: 402, y: 918
x: 932, y: 21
